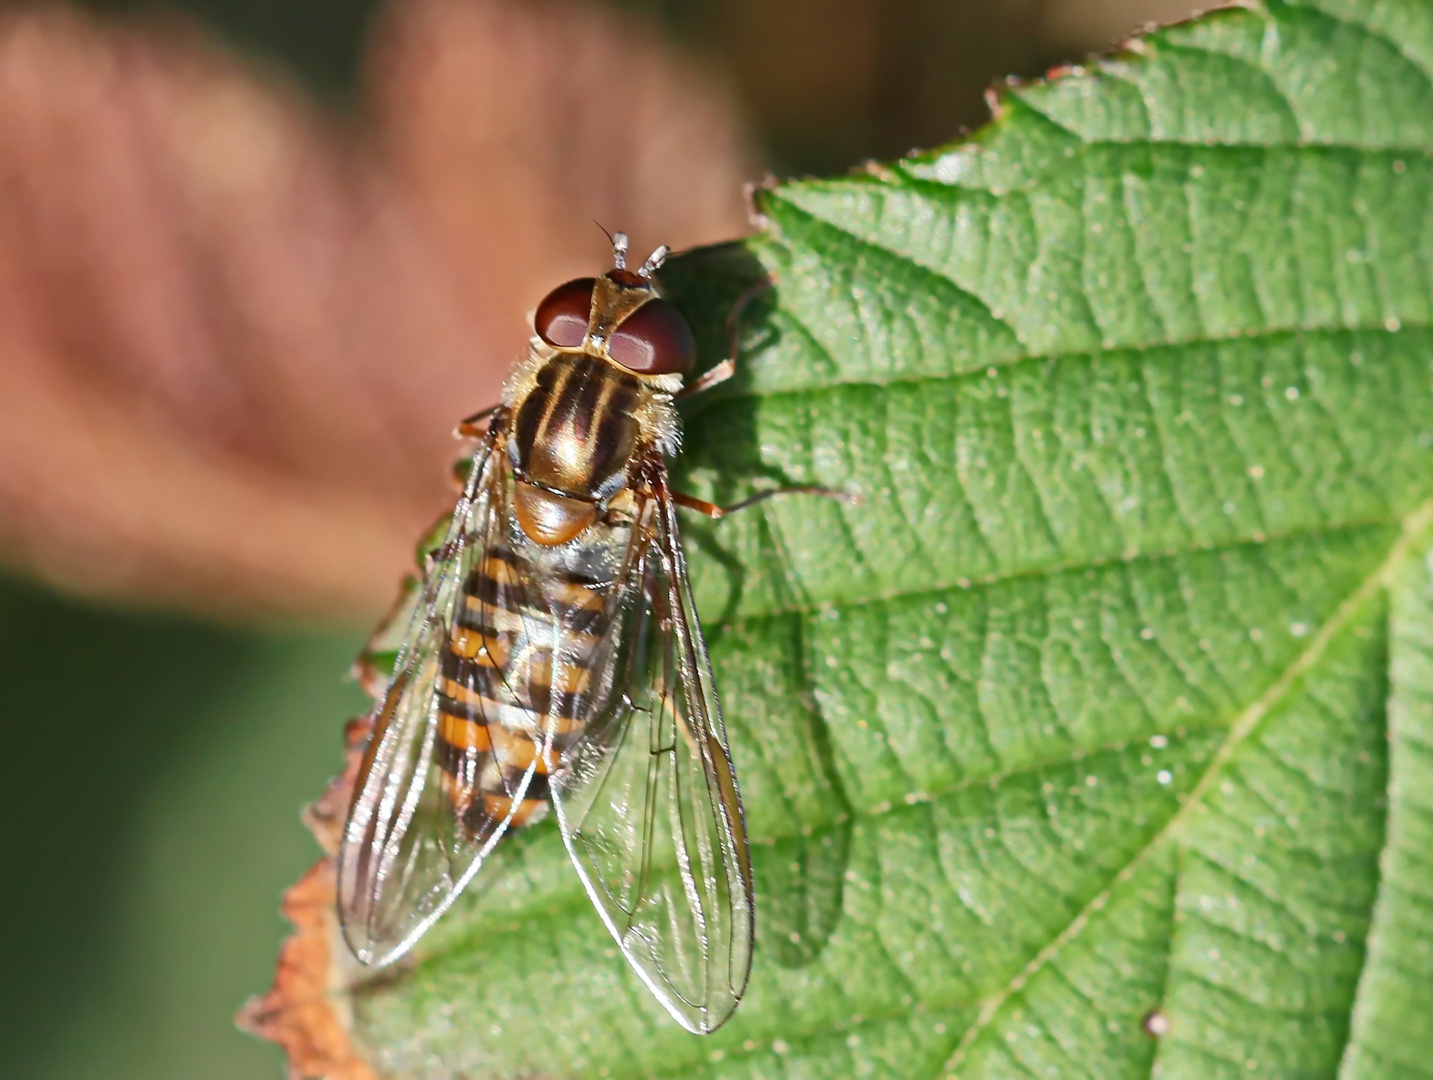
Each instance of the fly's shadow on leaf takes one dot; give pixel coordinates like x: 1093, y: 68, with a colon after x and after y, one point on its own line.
x: 375, y: 982
x: 714, y: 287
x: 727, y: 297
x: 800, y: 874
x: 799, y: 881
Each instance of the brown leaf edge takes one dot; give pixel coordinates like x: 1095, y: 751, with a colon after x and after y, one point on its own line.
x: 305, y: 1010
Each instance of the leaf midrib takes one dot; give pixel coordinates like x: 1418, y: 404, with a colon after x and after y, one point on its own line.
x: 1415, y: 535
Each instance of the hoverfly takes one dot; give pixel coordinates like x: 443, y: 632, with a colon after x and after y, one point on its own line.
x: 555, y: 655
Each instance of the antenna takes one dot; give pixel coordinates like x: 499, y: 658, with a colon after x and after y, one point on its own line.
x: 654, y: 261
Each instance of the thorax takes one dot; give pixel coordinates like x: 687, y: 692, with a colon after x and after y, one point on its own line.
x: 577, y: 426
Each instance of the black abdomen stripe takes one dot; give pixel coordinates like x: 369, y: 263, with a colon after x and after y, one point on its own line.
x: 497, y: 685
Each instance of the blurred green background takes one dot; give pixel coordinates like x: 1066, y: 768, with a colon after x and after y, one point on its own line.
x: 155, y: 766
x: 154, y: 772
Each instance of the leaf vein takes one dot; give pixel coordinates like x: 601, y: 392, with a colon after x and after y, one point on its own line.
x: 1244, y: 726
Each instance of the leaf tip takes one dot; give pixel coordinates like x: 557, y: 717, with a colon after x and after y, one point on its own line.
x: 752, y: 192
x: 757, y: 193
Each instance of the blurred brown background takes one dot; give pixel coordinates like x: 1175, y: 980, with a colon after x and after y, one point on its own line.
x: 255, y: 257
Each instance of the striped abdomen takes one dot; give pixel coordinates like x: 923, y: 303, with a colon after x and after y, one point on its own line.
x: 516, y: 674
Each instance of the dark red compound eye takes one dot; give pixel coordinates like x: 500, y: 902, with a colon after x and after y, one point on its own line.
x: 653, y: 340
x: 561, y: 318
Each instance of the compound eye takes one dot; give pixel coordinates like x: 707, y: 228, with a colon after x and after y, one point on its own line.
x: 653, y: 340
x: 561, y: 318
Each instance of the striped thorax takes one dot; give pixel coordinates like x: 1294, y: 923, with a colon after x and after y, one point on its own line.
x: 597, y: 387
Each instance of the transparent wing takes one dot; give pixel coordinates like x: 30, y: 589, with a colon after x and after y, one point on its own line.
x: 647, y: 800
x: 433, y: 794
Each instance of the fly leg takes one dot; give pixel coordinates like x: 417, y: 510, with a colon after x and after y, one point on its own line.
x: 433, y: 549
x: 719, y: 374
x: 714, y: 377
x: 714, y: 511
x: 727, y: 368
x: 469, y: 429
x: 483, y: 425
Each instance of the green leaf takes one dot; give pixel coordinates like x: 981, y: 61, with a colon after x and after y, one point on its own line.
x: 1098, y: 738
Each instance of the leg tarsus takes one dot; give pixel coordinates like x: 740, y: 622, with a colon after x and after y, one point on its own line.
x: 709, y: 378
x: 714, y: 511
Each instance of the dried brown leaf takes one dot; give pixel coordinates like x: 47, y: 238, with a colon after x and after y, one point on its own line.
x: 577, y: 116
x: 236, y: 336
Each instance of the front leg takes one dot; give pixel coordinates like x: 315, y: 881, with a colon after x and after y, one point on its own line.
x: 727, y: 368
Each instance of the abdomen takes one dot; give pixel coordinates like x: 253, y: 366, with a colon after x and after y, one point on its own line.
x: 519, y: 674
